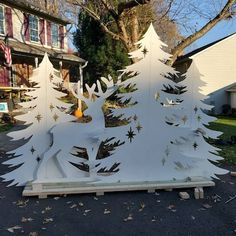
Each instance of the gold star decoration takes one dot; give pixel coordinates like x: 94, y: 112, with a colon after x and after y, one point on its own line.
x: 55, y: 117
x: 145, y: 51
x: 51, y: 107
x: 195, y: 145
x: 51, y: 77
x: 157, y: 96
x: 184, y: 119
x: 32, y: 150
x: 139, y: 127
x: 130, y: 134
x: 38, y: 117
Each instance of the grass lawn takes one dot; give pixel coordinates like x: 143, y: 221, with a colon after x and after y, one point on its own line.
x: 5, y: 127
x: 227, y: 125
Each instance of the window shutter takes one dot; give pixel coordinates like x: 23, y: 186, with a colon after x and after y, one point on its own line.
x: 26, y: 27
x: 49, y: 34
x: 8, y: 17
x: 42, y: 31
x: 61, y: 36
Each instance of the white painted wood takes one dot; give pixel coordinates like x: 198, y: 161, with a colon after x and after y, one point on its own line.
x: 155, y: 154
x: 44, y: 113
x: 233, y: 99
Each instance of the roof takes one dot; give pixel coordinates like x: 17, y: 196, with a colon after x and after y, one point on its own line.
x: 19, y: 49
x: 232, y: 89
x: 34, y: 9
x: 198, y: 50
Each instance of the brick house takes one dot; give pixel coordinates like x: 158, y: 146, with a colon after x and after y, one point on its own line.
x: 31, y: 32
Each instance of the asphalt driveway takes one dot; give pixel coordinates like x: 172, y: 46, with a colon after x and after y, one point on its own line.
x: 125, y: 213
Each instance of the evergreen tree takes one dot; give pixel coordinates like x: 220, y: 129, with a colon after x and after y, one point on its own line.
x: 105, y: 55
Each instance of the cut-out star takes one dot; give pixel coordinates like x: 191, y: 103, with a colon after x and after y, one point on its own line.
x: 38, y: 117
x: 199, y: 118
x: 38, y: 159
x: 32, y: 150
x: 135, y: 118
x: 130, y: 134
x: 55, y: 117
x: 145, y: 51
x: 195, y: 145
x: 195, y: 109
x: 163, y: 161
x: 51, y: 107
x: 167, y: 151
x: 184, y: 119
x: 139, y: 127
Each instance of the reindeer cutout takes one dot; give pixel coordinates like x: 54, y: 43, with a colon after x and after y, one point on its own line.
x: 86, y: 135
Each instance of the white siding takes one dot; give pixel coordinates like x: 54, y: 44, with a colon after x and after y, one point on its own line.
x: 18, y: 21
x: 233, y: 99
x: 217, y: 64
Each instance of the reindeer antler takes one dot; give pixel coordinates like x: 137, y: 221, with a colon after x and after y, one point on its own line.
x: 111, y: 87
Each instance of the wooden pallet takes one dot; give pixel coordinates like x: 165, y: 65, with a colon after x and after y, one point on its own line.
x: 42, y: 190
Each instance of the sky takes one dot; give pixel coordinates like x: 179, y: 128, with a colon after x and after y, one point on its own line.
x: 221, y: 30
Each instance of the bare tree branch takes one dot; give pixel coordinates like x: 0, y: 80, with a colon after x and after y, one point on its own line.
x: 223, y: 14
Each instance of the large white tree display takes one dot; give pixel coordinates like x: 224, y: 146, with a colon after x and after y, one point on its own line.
x: 45, y: 110
x: 163, y: 136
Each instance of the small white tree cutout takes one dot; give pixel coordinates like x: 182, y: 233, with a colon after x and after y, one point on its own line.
x: 191, y: 114
x: 44, y: 111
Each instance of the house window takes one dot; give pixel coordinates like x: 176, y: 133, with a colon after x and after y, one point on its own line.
x: 2, y: 20
x: 55, y: 35
x: 34, y: 28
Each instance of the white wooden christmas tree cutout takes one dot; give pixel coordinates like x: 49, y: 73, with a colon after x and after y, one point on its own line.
x: 154, y: 149
x: 190, y: 114
x: 44, y: 113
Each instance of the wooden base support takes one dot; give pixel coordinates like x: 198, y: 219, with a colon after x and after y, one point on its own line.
x: 198, y: 193
x: 42, y: 190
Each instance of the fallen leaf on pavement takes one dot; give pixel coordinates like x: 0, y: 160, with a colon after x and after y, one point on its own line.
x: 12, y: 229
x: 81, y: 204
x: 129, y: 218
x: 56, y: 198
x: 24, y: 220
x: 22, y: 203
x: 47, y: 220
x: 48, y: 208
x: 207, y: 206
x: 73, y: 206
x: 106, y: 212
x: 142, y: 205
x: 33, y: 234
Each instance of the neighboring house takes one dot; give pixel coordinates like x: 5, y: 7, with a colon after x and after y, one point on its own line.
x: 217, y: 64
x: 32, y: 31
